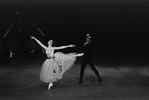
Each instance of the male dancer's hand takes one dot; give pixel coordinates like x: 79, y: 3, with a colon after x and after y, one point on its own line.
x: 32, y: 37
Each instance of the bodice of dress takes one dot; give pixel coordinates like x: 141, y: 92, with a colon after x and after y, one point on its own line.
x: 50, y: 54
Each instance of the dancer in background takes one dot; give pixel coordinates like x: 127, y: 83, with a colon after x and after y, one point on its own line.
x: 56, y: 64
x: 11, y: 37
x: 35, y: 31
x: 87, y: 59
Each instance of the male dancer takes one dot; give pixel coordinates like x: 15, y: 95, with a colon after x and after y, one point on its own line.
x: 87, y: 59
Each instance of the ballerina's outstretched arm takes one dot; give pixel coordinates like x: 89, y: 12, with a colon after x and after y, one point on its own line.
x: 43, y: 46
x: 63, y: 47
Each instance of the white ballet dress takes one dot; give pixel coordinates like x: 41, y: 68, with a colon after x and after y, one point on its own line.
x: 52, y: 71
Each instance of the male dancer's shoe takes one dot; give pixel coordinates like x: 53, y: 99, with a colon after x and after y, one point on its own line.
x: 100, y: 80
x: 79, y: 83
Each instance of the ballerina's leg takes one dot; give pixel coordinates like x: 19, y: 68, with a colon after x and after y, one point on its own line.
x: 79, y: 54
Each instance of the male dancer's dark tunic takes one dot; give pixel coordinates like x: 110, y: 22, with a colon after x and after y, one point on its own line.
x: 87, y: 59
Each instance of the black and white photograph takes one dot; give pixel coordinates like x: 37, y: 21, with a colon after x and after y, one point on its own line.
x: 74, y: 49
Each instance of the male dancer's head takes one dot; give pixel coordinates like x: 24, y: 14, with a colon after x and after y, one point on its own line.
x: 88, y: 37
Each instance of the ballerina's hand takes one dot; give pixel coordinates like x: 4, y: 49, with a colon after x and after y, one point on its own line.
x: 71, y: 45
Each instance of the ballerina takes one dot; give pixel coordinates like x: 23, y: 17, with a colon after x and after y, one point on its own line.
x: 57, y: 63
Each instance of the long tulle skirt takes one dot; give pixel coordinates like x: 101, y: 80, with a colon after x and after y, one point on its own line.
x: 51, y: 71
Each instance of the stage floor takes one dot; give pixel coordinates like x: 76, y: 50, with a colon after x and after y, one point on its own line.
x: 19, y: 80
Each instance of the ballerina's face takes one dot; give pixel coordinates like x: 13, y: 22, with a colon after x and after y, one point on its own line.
x: 50, y: 42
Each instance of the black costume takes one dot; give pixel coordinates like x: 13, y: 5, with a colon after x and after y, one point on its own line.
x: 87, y: 59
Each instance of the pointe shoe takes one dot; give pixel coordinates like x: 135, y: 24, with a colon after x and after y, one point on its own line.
x: 80, y: 54
x: 50, y: 85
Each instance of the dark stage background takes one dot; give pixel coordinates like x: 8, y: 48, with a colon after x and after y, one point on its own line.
x: 117, y: 26
x: 121, y: 45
